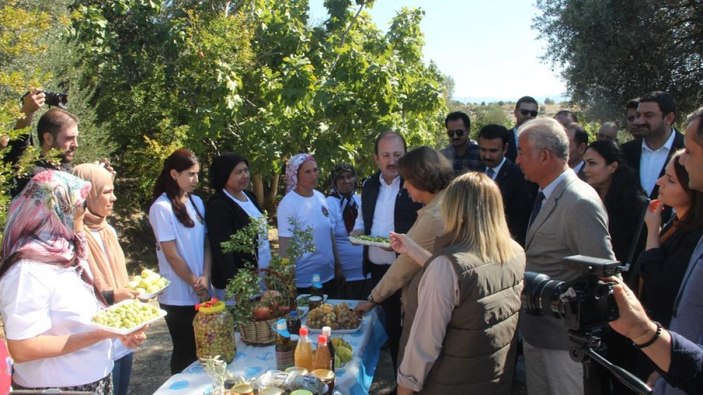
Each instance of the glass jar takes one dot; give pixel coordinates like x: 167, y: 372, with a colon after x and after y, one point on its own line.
x: 214, y: 331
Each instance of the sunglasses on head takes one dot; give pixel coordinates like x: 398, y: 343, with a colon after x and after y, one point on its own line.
x: 457, y: 133
x: 532, y: 113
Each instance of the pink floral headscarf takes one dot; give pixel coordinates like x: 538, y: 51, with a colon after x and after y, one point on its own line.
x: 40, y: 221
x: 292, y: 168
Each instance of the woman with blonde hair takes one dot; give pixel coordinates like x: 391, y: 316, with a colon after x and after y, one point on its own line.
x: 461, y: 310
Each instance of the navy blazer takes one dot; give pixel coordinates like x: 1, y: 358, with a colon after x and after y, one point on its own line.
x: 517, y: 199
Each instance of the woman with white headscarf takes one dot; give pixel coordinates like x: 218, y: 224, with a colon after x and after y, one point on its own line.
x: 305, y: 207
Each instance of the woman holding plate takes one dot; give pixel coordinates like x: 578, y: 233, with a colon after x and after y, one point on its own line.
x: 106, y: 258
x: 47, y: 294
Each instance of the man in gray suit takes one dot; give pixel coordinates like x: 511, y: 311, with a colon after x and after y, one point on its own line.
x: 568, y: 218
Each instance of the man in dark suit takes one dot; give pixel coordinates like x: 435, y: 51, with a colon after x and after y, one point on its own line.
x: 526, y: 108
x: 655, y: 139
x: 385, y: 207
x: 568, y: 218
x: 517, y: 197
x: 578, y: 142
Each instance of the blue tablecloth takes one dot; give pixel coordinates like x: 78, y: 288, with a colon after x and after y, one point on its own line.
x: 354, y: 378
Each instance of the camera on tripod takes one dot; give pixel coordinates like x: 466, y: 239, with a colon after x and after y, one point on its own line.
x: 584, y: 303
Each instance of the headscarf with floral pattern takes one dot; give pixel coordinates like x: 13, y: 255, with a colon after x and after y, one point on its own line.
x: 40, y: 221
x: 292, y: 168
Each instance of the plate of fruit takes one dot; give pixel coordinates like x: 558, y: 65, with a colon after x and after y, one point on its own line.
x: 374, y: 241
x: 148, y: 284
x: 343, y: 352
x: 126, y: 317
x: 340, y: 317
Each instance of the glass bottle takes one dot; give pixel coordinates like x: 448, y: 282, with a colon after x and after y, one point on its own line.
x: 284, y: 347
x: 293, y: 322
x: 303, y: 351
x: 316, y: 288
x: 322, y: 354
x: 327, y: 331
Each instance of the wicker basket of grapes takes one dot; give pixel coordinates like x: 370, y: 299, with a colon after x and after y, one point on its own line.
x: 340, y: 317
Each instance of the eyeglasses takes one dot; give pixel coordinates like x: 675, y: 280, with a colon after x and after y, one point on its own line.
x: 631, y: 118
x: 532, y: 113
x: 457, y: 133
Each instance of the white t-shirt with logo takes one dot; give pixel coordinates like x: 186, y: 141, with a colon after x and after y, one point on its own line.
x: 43, y: 299
x: 309, y: 212
x: 190, y: 244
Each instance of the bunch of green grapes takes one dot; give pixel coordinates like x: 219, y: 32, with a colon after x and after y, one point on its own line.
x: 323, y: 315
x: 126, y: 315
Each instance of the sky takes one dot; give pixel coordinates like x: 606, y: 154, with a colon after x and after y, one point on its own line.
x: 486, y: 46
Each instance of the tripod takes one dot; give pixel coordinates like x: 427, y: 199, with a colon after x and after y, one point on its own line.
x: 584, y: 350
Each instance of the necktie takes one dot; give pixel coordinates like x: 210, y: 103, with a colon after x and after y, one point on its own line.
x: 537, y: 206
x: 490, y: 172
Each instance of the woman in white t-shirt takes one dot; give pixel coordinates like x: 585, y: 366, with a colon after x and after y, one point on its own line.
x: 47, y: 293
x: 177, y: 218
x: 344, y: 202
x: 304, y: 207
x: 230, y: 209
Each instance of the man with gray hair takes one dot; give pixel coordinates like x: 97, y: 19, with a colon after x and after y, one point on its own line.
x: 568, y: 218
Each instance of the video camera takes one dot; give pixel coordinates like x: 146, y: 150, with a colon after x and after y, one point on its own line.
x: 584, y: 303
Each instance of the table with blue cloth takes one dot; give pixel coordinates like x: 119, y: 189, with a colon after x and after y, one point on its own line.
x: 353, y: 378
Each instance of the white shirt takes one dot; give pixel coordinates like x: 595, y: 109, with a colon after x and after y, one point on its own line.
x: 577, y: 168
x: 42, y: 299
x: 264, y: 248
x: 552, y: 185
x: 383, y: 220
x: 351, y: 255
x: 190, y: 244
x: 652, y: 162
x: 309, y: 212
x: 496, y: 169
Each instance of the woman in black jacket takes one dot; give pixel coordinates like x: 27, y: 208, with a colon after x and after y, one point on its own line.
x: 230, y: 209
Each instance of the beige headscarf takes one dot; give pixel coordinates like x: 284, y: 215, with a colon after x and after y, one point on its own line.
x: 108, y: 266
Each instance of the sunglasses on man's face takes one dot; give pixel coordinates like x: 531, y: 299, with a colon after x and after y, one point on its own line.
x: 631, y: 118
x: 457, y: 133
x: 531, y: 113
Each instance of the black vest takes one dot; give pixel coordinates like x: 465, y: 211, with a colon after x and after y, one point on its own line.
x: 404, y: 212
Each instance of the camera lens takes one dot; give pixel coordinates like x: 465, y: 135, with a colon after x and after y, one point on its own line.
x: 540, y: 296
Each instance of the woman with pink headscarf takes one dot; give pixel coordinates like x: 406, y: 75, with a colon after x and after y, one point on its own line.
x: 47, y: 292
x: 305, y: 207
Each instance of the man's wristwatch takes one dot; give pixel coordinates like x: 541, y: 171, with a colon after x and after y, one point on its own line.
x: 370, y: 299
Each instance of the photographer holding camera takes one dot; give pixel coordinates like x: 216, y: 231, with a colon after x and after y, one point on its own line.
x: 568, y: 218
x: 31, y: 103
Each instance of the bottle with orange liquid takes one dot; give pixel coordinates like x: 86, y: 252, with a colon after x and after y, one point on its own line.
x: 303, y: 351
x: 322, y: 355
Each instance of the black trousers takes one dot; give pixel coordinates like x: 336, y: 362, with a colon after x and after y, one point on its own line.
x: 392, y: 308
x: 179, y: 320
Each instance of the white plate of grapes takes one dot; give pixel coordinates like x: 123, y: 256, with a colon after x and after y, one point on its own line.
x: 148, y: 283
x: 126, y: 317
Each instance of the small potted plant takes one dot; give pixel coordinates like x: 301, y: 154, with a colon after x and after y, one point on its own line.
x: 256, y: 307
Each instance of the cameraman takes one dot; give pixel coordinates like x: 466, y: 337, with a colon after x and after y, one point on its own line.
x: 678, y: 360
x: 31, y: 103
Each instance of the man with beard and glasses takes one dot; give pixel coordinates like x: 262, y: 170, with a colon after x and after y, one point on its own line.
x: 517, y: 194
x: 56, y: 130
x: 526, y: 108
x: 462, y: 152
x: 385, y: 207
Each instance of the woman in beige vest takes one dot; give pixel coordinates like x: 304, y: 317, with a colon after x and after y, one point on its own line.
x: 461, y: 309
